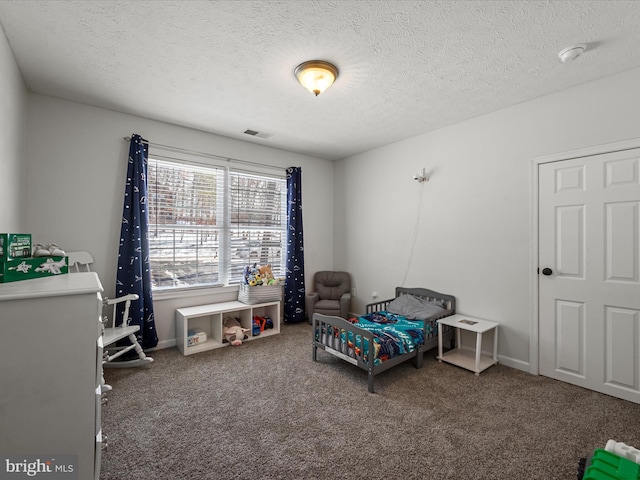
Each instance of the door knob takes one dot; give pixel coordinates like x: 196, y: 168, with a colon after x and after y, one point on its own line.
x: 547, y: 271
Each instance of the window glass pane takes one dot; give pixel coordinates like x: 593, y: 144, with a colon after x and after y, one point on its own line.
x: 181, y: 257
x: 262, y: 246
x: 257, y: 222
x: 184, y: 224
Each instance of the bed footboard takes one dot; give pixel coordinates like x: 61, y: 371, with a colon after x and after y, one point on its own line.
x: 328, y: 334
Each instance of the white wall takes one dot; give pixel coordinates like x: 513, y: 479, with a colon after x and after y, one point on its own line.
x: 13, y: 165
x: 474, y: 233
x: 76, y: 174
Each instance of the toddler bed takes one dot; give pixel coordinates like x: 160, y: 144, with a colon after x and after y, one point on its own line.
x: 399, y: 329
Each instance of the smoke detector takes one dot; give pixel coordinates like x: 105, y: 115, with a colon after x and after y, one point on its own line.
x: 571, y: 53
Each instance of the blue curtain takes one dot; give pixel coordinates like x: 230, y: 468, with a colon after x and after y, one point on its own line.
x: 134, y: 274
x: 294, y: 282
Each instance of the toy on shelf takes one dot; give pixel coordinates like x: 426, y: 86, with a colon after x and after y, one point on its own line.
x: 269, y: 323
x: 262, y: 322
x: 196, y: 336
x: 252, y: 276
x: 256, y: 326
x: 267, y: 275
x: 233, y: 331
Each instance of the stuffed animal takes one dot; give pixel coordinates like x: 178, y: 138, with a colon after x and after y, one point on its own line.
x: 233, y: 332
x: 252, y: 276
x: 266, y: 274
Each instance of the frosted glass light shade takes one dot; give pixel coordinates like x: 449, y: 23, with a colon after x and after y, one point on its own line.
x: 316, y: 75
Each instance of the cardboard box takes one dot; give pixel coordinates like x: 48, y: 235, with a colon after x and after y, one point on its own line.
x: 27, y: 268
x: 196, y: 336
x: 14, y: 245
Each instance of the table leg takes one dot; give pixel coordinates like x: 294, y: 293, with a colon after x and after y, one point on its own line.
x: 478, y: 351
x: 440, y: 327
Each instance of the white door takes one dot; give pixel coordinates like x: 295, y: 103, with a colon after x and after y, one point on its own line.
x: 589, y: 272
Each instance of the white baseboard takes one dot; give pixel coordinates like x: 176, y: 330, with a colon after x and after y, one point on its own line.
x: 513, y: 363
x: 164, y: 344
x: 506, y: 361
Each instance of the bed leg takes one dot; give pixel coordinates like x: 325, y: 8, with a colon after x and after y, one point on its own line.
x: 314, y: 352
x: 419, y: 358
x: 370, y: 382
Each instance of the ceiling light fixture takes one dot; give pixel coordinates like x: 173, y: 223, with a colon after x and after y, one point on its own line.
x: 316, y: 75
x: 571, y: 53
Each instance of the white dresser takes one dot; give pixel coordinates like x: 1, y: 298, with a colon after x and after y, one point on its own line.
x: 50, y: 371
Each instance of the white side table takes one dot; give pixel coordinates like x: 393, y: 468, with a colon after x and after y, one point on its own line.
x: 474, y: 361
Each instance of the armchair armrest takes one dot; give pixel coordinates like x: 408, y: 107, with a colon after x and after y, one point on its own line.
x: 310, y: 301
x: 345, y: 304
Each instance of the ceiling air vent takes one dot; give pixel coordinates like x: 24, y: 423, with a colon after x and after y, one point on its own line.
x: 253, y: 133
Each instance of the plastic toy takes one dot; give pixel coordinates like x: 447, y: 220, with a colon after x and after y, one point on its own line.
x: 609, y: 466
x: 256, y: 326
x: 623, y: 450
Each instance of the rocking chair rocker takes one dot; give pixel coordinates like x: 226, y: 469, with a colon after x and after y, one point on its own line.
x: 81, y: 262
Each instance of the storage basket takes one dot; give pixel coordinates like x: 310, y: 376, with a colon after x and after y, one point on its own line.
x: 259, y: 294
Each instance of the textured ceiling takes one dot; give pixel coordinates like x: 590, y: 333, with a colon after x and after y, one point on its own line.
x: 406, y: 67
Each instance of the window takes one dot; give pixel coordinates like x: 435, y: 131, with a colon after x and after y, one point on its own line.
x: 207, y: 223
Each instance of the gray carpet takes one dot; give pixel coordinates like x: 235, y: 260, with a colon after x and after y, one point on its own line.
x: 266, y: 410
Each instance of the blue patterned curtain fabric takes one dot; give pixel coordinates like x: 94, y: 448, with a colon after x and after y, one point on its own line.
x: 134, y: 274
x: 294, y: 291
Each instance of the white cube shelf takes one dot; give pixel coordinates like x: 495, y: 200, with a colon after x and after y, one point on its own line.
x: 210, y: 318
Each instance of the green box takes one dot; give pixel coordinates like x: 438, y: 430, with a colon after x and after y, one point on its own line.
x: 32, y: 267
x: 14, y: 245
x: 609, y: 466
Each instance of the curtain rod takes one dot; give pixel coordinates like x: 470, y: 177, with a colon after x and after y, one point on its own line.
x: 210, y: 155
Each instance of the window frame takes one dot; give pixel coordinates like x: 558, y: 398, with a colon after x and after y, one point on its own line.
x: 227, y: 229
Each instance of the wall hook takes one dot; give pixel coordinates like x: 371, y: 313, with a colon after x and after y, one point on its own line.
x: 421, y: 177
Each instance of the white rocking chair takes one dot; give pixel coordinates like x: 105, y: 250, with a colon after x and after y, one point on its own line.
x: 81, y: 262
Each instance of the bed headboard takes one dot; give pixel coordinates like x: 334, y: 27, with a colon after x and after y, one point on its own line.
x: 449, y: 300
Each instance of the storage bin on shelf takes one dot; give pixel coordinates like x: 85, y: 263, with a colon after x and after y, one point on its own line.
x: 259, y: 294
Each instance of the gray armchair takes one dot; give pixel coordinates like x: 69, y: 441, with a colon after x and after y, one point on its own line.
x: 332, y: 295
